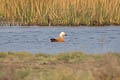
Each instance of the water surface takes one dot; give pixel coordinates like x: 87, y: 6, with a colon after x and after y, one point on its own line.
x: 37, y: 39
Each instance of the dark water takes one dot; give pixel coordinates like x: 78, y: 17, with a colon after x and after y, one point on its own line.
x: 85, y: 39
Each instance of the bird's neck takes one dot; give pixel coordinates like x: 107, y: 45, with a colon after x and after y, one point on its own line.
x: 62, y: 37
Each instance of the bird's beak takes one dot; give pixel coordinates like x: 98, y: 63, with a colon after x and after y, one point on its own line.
x: 66, y: 35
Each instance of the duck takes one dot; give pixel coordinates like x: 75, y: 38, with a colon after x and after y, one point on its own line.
x: 60, y: 39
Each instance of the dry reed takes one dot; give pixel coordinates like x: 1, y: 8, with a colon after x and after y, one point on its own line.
x: 62, y: 12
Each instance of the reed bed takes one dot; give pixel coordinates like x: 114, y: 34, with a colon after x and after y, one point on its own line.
x: 60, y: 12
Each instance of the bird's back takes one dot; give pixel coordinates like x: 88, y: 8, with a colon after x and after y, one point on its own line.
x: 53, y: 40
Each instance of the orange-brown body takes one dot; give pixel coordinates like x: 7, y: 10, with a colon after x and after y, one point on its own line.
x: 57, y: 40
x: 60, y: 39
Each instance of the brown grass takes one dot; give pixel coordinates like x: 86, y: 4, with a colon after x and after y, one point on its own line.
x: 63, y: 66
x: 62, y: 12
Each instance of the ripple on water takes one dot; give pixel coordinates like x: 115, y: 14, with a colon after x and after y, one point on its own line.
x: 36, y: 40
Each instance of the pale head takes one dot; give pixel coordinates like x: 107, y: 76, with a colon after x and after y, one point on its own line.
x: 62, y: 34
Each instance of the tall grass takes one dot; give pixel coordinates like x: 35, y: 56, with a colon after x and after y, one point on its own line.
x: 60, y: 12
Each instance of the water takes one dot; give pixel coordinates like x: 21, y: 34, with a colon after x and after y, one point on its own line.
x: 37, y: 39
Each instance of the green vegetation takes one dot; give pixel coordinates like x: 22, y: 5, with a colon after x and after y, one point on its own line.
x: 62, y: 66
x: 60, y: 12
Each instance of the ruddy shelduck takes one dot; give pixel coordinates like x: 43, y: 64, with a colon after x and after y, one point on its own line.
x: 60, y: 39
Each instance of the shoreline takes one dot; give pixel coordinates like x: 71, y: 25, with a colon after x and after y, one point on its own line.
x: 56, y: 25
